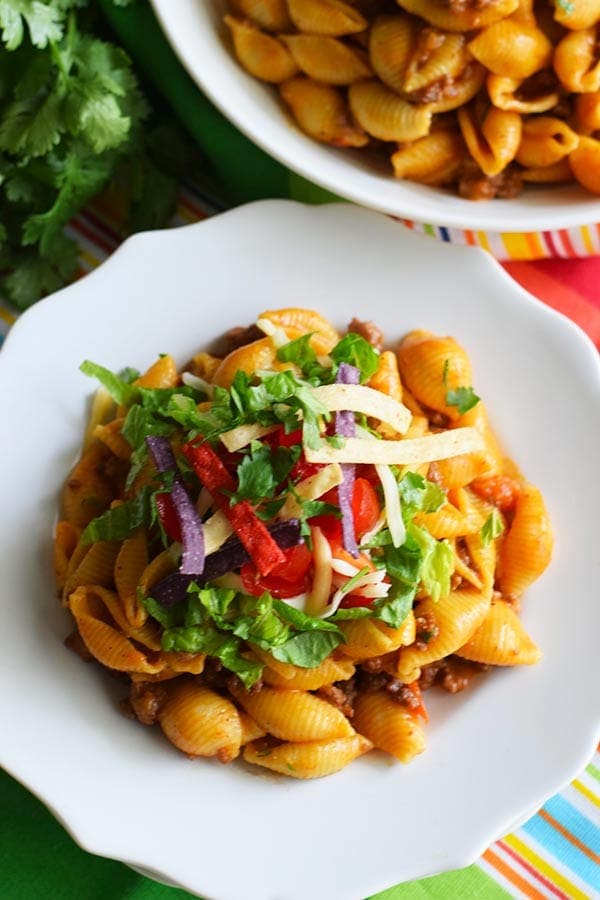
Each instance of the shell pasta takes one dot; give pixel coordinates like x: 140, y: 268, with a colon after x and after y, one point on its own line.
x: 282, y: 547
x: 450, y: 93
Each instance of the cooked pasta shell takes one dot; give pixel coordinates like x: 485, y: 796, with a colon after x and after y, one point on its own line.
x: 96, y: 567
x: 313, y: 759
x: 130, y: 565
x: 515, y: 95
x: 388, y: 725
x: 110, y: 435
x: 157, y: 569
x: 104, y: 641
x: 483, y: 558
x: 391, y: 43
x: 386, y: 116
x: 183, y: 663
x: 457, y: 617
x: 493, y: 137
x: 512, y: 48
x: 450, y: 522
x: 330, y: 17
x: 294, y: 715
x: 249, y: 358
x: 261, y: 54
x: 576, y: 61
x: 161, y: 374
x: 321, y: 112
x: 501, y: 640
x: 304, y: 321
x: 462, y: 470
x: 559, y: 172
x: 327, y: 59
x: 66, y: 538
x: 204, y: 365
x: 527, y: 548
x: 430, y: 366
x: 433, y: 159
x: 581, y: 14
x: 443, y: 15
x: 272, y: 15
x: 284, y: 675
x: 585, y: 164
x: 436, y: 55
x: 200, y: 722
x: 87, y: 492
x: 465, y: 86
x: 102, y: 410
x: 251, y: 730
x: 587, y: 112
x: 366, y: 638
x: 545, y: 141
x: 386, y: 379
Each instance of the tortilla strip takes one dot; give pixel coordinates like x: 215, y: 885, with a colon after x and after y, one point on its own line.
x: 366, y: 400
x: 427, y: 449
x: 241, y: 436
x: 311, y: 489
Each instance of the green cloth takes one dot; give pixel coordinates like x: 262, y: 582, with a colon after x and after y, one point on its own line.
x: 240, y: 171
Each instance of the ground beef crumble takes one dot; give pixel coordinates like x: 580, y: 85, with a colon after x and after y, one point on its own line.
x: 369, y: 331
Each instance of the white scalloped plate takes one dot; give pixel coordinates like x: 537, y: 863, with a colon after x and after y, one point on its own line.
x: 496, y: 751
x: 196, y: 33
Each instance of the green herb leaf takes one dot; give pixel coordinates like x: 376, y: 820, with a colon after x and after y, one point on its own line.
x: 121, y: 392
x: 355, y: 350
x: 464, y: 398
x: 262, y: 470
x: 394, y: 608
x: 437, y: 563
x: 492, y: 527
x: 302, y: 354
x: 420, y: 494
x: 121, y: 521
x: 308, y: 648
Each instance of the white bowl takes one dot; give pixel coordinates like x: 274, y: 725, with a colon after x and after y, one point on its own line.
x: 494, y: 752
x: 195, y: 30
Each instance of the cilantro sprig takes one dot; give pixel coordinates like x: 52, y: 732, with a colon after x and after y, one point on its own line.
x: 71, y: 114
x: 463, y: 397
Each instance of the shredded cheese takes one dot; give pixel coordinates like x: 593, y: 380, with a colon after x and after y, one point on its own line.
x: 311, y: 488
x: 200, y: 384
x: 393, y: 509
x: 239, y: 437
x: 430, y: 448
x: 216, y: 531
x: 366, y: 400
x: 321, y: 588
x: 277, y: 334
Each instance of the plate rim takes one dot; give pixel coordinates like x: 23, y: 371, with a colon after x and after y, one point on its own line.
x: 27, y: 322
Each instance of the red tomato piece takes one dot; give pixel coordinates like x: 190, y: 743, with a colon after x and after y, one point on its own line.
x: 168, y: 516
x: 350, y: 601
x: 365, y: 506
x: 500, y: 490
x: 287, y: 579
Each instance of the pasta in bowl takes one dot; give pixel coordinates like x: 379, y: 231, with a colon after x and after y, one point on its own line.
x: 399, y: 112
x: 282, y: 547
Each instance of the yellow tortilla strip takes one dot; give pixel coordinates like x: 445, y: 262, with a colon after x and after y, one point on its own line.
x: 216, y: 531
x: 365, y: 400
x: 311, y: 489
x: 411, y: 450
x: 241, y: 436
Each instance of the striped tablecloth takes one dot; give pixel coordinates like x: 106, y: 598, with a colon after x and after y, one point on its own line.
x: 556, y: 854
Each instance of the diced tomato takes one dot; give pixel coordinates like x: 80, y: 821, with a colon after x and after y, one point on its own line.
x: 302, y: 468
x: 350, y: 601
x: 168, y: 516
x: 365, y: 507
x: 287, y: 579
x: 288, y: 440
x: 500, y: 490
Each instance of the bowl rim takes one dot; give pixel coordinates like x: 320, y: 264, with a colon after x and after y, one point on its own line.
x: 354, y: 184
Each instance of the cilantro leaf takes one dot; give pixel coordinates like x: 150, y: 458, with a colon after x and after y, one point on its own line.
x: 42, y: 19
x: 356, y: 351
x: 492, y: 527
x: 302, y: 354
x: 262, y: 470
x: 464, y: 398
x: 420, y: 494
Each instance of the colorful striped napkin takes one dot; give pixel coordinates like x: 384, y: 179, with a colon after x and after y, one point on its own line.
x: 556, y: 854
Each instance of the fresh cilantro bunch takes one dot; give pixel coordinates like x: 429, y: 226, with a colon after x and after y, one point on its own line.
x: 71, y: 114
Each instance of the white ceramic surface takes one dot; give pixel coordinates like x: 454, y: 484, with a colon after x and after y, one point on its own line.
x: 231, y: 832
x: 195, y: 30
